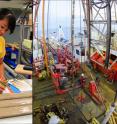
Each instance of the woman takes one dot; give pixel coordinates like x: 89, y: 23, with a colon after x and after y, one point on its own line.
x: 7, y: 23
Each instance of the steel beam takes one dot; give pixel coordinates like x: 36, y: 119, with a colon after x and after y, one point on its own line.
x: 88, y: 28
x: 72, y: 33
x: 108, y: 38
x: 101, y: 21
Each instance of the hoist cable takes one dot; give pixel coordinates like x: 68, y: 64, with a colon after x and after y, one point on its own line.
x: 48, y: 16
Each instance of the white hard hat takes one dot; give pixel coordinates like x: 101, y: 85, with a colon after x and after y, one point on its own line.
x: 54, y: 120
x: 82, y: 75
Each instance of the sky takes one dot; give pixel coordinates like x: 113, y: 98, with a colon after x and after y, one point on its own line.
x: 60, y: 14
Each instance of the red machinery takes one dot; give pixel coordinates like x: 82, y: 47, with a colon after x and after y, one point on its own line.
x: 95, y: 93
x: 56, y: 76
x: 72, y: 69
x: 65, y: 57
x: 98, y: 63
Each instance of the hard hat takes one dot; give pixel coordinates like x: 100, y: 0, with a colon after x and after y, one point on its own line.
x: 82, y: 75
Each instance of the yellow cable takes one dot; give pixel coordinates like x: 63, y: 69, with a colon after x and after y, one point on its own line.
x: 44, y: 41
x: 115, y: 113
x: 95, y: 121
x: 110, y: 121
x: 113, y: 119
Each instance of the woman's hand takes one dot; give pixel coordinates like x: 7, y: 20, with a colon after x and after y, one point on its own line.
x: 2, y: 77
x: 1, y: 60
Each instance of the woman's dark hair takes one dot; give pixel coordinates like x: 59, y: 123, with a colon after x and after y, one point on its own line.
x: 6, y: 13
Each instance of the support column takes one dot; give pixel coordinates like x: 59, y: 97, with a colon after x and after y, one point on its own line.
x: 108, y: 38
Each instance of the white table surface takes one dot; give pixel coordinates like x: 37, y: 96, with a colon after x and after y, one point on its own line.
x: 27, y: 119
